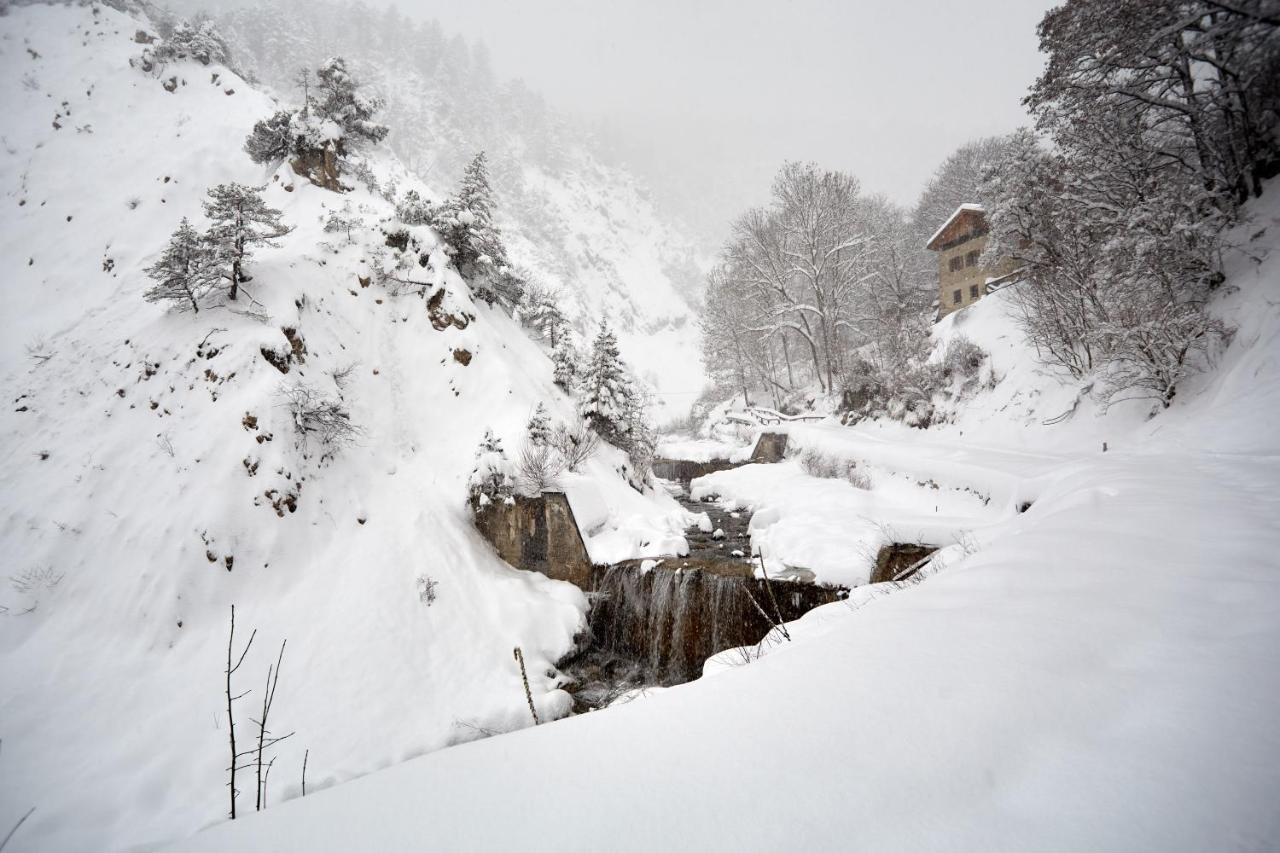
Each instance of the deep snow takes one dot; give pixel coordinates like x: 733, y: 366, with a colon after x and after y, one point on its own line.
x: 142, y: 451
x: 1100, y: 672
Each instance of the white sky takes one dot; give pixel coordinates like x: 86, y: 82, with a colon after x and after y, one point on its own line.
x: 710, y: 96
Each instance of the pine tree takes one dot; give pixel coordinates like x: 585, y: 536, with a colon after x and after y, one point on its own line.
x: 564, y: 361
x: 539, y: 427
x: 605, y: 389
x: 184, y: 271
x: 241, y: 220
x: 271, y: 138
x: 201, y: 42
x: 338, y: 99
x: 493, y: 478
x: 413, y: 209
x: 465, y: 222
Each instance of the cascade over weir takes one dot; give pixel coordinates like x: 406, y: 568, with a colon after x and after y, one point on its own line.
x: 656, y: 624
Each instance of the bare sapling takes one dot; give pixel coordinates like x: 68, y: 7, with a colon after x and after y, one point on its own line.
x: 768, y: 585
x: 265, y: 739
x: 231, y: 719
x: 524, y: 676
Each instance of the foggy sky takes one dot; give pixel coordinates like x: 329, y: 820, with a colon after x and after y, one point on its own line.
x: 708, y: 97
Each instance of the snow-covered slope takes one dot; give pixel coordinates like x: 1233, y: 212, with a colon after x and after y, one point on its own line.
x: 1098, y: 672
x: 151, y: 475
x: 581, y: 227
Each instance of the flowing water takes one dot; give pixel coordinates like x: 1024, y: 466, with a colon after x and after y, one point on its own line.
x: 656, y: 625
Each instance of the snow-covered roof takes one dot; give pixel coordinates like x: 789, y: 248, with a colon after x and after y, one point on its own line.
x: 967, y: 206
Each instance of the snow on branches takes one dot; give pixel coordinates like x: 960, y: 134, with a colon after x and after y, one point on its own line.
x: 493, y: 478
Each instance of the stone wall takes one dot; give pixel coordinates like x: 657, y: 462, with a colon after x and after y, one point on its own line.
x: 684, y: 470
x: 538, y: 534
x: 770, y: 448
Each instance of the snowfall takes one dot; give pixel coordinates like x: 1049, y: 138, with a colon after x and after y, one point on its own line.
x: 1091, y: 662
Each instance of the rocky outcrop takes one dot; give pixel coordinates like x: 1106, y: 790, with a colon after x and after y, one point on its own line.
x: 320, y: 166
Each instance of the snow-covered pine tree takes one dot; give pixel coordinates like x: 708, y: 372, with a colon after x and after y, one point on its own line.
x: 413, y: 209
x: 334, y: 118
x: 465, y: 223
x: 564, y: 361
x: 271, y: 138
x: 494, y: 477
x: 240, y: 221
x: 183, y: 273
x: 540, y: 310
x: 605, y: 389
x: 200, y: 41
x: 338, y: 100
x: 539, y: 427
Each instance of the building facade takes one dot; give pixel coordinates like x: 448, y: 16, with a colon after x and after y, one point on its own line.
x: 962, y: 280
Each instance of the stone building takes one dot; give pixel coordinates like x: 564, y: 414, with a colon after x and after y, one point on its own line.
x: 962, y: 280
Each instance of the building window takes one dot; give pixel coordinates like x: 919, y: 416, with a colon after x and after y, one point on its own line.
x: 955, y: 297
x: 973, y: 291
x: 971, y: 259
x: 957, y: 263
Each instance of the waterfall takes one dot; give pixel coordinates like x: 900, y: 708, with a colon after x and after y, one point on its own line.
x: 670, y: 620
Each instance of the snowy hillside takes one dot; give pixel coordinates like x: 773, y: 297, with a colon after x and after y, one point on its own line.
x: 153, y: 474
x: 1089, y: 664
x: 585, y: 229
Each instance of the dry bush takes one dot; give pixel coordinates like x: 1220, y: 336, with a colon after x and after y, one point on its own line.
x: 320, y: 418
x: 575, y: 443
x: 815, y: 463
x: 538, y: 467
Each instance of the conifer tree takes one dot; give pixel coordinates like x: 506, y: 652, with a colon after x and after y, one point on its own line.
x: 271, y: 138
x: 605, y: 389
x: 465, y: 222
x: 564, y: 361
x: 183, y: 272
x: 241, y: 220
x: 338, y: 99
x: 493, y: 478
x: 539, y: 427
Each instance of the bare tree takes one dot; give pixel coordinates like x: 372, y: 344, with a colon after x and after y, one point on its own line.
x: 231, y: 719
x: 265, y: 739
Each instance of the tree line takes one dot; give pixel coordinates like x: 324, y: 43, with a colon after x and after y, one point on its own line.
x: 1154, y: 123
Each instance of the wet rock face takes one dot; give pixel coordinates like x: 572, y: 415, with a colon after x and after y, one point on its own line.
x: 670, y: 620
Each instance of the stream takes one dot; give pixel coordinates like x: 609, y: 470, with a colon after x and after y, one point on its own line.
x: 655, y: 625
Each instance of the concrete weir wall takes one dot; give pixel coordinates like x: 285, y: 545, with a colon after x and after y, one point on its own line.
x: 538, y: 534
x: 770, y: 447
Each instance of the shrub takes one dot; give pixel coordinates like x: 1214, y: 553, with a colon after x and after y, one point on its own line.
x: 963, y: 358
x: 575, y: 443
x: 815, y: 463
x: 538, y: 468
x: 325, y: 420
